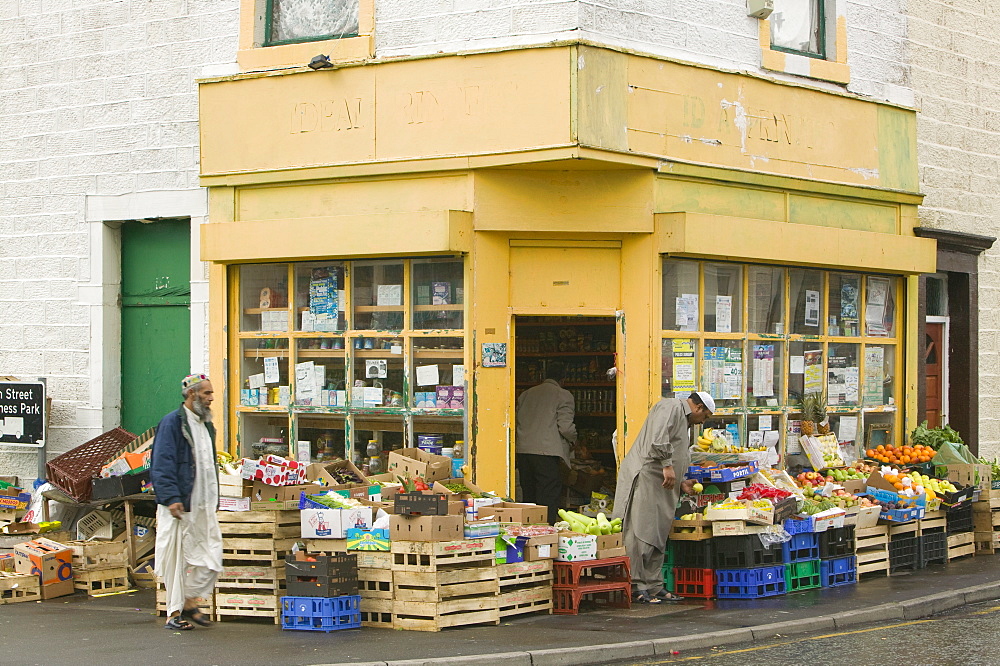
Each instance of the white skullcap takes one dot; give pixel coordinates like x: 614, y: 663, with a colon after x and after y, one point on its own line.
x: 707, y: 400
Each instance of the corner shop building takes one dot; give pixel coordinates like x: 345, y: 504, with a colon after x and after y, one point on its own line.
x: 737, y: 235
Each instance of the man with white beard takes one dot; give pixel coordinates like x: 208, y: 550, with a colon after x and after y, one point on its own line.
x: 186, y: 482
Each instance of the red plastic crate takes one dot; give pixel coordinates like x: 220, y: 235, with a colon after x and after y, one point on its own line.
x: 566, y: 600
x: 608, y: 570
x: 697, y: 583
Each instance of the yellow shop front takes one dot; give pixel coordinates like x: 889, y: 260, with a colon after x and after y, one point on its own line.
x: 398, y: 248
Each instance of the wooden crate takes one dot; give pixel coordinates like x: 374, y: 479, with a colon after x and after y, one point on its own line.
x: 985, y: 521
x: 376, y: 613
x: 987, y: 543
x: 991, y: 503
x: 16, y: 588
x: 373, y: 559
x: 266, y: 552
x: 444, y: 585
x: 251, y: 577
x: 268, y: 524
x: 101, y: 581
x: 326, y: 547
x: 525, y: 574
x: 904, y: 530
x: 872, y: 550
x: 523, y: 600
x: 375, y: 583
x: 434, y: 556
x: 207, y: 605
x: 935, y: 521
x: 427, y: 616
x: 232, y: 605
x: 961, y: 545
x: 98, y: 554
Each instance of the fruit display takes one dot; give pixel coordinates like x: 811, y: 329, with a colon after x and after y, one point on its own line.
x: 758, y: 491
x: 901, y: 455
x: 817, y: 504
x: 714, y: 441
x: 813, y: 479
x: 913, y: 484
x: 586, y: 525
x: 814, y: 414
x: 687, y: 517
x: 847, y: 474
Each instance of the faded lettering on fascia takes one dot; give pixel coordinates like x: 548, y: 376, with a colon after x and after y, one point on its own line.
x: 425, y: 106
x: 765, y: 126
x: 332, y: 115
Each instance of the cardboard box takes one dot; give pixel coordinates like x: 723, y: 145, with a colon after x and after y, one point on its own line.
x: 575, y: 547
x: 12, y: 498
x: 880, y: 489
x: 320, y: 473
x: 52, y: 561
x: 61, y: 589
x: 427, y: 528
x: 855, y: 486
x: 978, y: 476
x: 233, y: 485
x: 415, y: 462
x: 262, y: 492
x: 544, y: 547
x: 234, y: 504
x: 334, y: 523
x: 512, y: 512
x: 439, y: 487
x: 482, y: 529
x: 735, y: 528
x: 386, y: 491
x: 371, y: 539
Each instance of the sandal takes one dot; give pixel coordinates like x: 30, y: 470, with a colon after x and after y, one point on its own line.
x: 643, y: 597
x: 197, y: 616
x: 663, y: 595
x: 178, y: 623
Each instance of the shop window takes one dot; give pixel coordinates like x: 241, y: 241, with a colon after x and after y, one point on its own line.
x: 350, y: 354
x: 806, y: 38
x: 291, y: 21
x: 809, y: 332
x: 797, y: 26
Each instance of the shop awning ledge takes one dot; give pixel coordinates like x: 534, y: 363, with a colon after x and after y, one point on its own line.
x: 768, y: 241
x: 370, y: 235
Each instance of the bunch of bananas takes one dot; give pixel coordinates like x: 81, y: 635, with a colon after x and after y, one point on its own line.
x: 712, y: 441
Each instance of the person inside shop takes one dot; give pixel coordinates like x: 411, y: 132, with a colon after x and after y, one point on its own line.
x: 186, y: 482
x: 545, y: 431
x: 649, y: 488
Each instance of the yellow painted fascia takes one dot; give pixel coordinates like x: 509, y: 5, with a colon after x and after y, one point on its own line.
x: 384, y: 234
x: 757, y: 179
x: 767, y: 241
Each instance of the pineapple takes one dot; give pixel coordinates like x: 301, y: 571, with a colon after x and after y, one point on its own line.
x: 814, y: 414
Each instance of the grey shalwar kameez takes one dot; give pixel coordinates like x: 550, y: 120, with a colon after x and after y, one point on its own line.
x: 644, y: 505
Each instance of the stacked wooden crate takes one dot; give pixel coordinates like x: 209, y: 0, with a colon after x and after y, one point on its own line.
x: 100, y: 567
x: 872, y: 550
x: 440, y: 584
x: 254, y: 547
x: 986, y: 522
x: 525, y: 587
x: 18, y: 587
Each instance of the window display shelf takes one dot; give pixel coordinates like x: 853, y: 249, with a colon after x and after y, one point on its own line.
x: 573, y: 384
x: 376, y: 353
x: 553, y: 354
x: 263, y: 409
x: 317, y: 409
x: 439, y: 353
x: 322, y: 353
x: 379, y: 308
x: 262, y: 353
x: 260, y: 310
x: 449, y: 414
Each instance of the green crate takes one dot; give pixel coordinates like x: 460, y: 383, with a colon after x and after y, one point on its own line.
x: 668, y: 556
x: 668, y: 578
x: 802, y: 575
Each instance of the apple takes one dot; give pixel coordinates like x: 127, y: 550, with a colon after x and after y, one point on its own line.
x: 697, y: 488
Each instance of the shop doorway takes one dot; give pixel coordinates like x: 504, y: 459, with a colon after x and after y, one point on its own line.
x: 587, y: 348
x: 156, y: 319
x: 936, y: 366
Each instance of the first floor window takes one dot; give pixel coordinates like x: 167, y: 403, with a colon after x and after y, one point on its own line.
x: 797, y: 25
x: 290, y: 21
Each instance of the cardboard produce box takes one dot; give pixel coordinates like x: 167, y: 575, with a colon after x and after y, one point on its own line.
x: 512, y: 512
x: 544, y: 547
x: 575, y: 547
x: 439, y: 487
x: 52, y: 561
x: 334, y: 523
x: 262, y: 492
x: 978, y: 476
x: 416, y: 462
x: 321, y: 473
x: 610, y: 545
x: 427, y: 528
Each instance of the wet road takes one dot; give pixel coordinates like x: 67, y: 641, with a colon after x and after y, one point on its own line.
x: 964, y: 637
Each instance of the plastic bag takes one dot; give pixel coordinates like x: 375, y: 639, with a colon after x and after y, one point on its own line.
x: 954, y: 454
x: 774, y: 535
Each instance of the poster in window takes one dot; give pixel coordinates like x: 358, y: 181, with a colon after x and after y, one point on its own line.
x: 683, y: 371
x: 874, y: 375
x: 763, y: 370
x: 494, y: 354
x: 842, y: 381
x: 879, y: 308
x: 723, y: 314
x: 813, y: 370
x: 812, y: 308
x: 686, y: 312
x: 732, y: 382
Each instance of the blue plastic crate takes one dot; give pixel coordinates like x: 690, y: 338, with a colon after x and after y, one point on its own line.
x: 902, y: 515
x: 698, y: 473
x: 321, y: 613
x: 798, y: 526
x: 750, y: 583
x: 801, y: 547
x: 840, y: 571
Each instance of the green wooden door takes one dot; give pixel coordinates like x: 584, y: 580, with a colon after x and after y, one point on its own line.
x: 156, y: 319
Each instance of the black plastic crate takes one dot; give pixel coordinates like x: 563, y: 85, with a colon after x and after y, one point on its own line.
x: 932, y: 548
x: 692, y: 554
x: 903, y: 553
x: 836, y: 542
x: 337, y: 565
x: 743, y: 552
x: 959, y: 520
x: 785, y: 509
x: 418, y: 504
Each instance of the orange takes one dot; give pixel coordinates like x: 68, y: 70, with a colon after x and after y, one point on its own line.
x: 905, y: 459
x: 870, y: 453
x: 880, y: 447
x: 897, y: 486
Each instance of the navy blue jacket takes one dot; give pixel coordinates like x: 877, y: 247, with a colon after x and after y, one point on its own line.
x: 172, y: 468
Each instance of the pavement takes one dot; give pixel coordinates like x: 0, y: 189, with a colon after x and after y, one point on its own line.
x: 111, y: 630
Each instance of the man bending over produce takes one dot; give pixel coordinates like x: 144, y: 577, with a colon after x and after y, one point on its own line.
x: 648, y: 489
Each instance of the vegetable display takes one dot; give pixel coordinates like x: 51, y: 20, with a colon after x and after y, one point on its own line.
x: 934, y: 437
x: 587, y: 525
